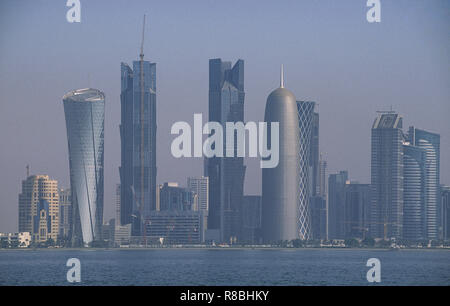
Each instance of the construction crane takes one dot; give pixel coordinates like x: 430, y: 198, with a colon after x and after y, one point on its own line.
x: 366, y: 229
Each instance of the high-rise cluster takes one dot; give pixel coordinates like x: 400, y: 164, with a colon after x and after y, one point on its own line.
x: 405, y: 181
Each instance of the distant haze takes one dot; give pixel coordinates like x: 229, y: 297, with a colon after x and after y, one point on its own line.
x: 331, y: 55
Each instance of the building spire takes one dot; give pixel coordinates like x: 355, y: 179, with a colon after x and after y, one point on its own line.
x: 281, y: 77
x: 141, y: 55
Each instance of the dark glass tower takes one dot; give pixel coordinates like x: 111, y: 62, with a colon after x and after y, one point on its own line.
x: 138, y: 143
x: 336, y: 204
x: 387, y: 176
x: 226, y: 174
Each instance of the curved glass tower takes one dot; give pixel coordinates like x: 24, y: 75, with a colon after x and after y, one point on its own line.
x: 413, y: 189
x: 85, y: 114
x: 280, y: 185
x: 430, y: 143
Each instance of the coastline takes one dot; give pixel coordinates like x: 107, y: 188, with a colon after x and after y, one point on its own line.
x: 192, y: 248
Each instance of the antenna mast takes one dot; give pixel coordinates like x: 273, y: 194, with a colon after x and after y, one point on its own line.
x: 142, y: 41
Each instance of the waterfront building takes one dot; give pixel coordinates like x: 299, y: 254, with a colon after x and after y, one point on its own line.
x: 387, y: 176
x: 85, y: 115
x: 226, y: 174
x: 39, y: 208
x: 281, y: 184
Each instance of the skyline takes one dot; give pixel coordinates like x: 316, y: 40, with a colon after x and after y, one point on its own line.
x: 310, y: 81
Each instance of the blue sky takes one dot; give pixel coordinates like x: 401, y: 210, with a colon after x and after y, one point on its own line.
x: 331, y: 55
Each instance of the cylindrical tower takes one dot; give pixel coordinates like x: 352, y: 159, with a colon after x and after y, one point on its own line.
x: 280, y: 185
x: 85, y: 114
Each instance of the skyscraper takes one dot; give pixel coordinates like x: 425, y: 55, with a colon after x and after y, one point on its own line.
x: 336, y: 205
x: 308, y: 158
x: 226, y: 174
x: 39, y: 208
x: 85, y: 114
x: 387, y: 176
x: 138, y: 142
x: 281, y: 184
x: 430, y: 143
x: 413, y: 192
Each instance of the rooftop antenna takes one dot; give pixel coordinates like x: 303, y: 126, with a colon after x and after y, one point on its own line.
x: 28, y: 170
x: 142, y: 43
x: 281, y: 77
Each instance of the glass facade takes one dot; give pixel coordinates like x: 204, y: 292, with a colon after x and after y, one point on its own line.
x: 430, y: 143
x: 226, y: 174
x: 336, y: 204
x: 138, y: 143
x: 414, y: 201
x: 387, y: 176
x: 85, y: 113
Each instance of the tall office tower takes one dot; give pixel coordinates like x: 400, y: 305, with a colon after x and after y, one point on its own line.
x: 307, y: 155
x: 445, y: 200
x: 430, y: 143
x: 138, y: 142
x: 281, y: 184
x: 251, y: 215
x: 357, y: 210
x: 200, y: 186
x: 39, y: 208
x: 336, y: 205
x: 65, y: 213
x: 118, y: 194
x: 387, y: 176
x: 85, y: 115
x: 314, y: 156
x: 226, y: 174
x: 413, y: 192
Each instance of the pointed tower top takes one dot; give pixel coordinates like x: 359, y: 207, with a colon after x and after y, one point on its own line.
x: 281, y: 77
x: 141, y: 55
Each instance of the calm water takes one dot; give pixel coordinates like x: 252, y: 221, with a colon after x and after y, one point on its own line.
x: 225, y: 267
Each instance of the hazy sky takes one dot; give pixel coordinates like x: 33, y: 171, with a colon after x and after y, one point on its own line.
x: 331, y: 55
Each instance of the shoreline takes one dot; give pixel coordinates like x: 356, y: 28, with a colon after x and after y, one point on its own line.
x: 191, y: 248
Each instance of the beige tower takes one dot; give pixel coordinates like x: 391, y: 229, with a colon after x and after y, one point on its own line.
x: 39, y: 208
